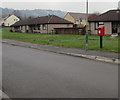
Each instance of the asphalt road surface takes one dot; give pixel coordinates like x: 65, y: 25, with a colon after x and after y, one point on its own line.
x: 30, y: 73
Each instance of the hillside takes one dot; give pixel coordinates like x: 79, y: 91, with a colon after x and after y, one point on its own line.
x: 31, y: 13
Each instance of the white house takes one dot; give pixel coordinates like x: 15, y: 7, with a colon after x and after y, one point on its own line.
x: 9, y: 20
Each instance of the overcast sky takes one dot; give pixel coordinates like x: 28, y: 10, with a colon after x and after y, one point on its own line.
x: 76, y: 6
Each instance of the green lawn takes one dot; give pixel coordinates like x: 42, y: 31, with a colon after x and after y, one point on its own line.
x: 76, y: 41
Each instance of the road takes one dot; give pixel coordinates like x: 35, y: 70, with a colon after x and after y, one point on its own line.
x: 30, y: 73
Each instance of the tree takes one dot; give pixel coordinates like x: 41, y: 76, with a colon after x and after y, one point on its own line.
x: 97, y: 13
x: 17, y: 13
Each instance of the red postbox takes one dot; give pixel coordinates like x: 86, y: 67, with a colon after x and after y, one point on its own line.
x: 101, y: 30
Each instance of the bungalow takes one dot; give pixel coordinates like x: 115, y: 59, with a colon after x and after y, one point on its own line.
x: 79, y: 19
x: 9, y: 20
x: 110, y: 19
x: 44, y: 24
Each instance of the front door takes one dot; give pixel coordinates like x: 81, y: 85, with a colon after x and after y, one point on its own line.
x: 114, y: 27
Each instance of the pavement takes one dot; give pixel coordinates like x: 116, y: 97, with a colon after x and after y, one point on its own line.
x: 109, y: 57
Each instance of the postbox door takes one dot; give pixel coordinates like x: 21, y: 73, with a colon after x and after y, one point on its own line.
x: 99, y: 32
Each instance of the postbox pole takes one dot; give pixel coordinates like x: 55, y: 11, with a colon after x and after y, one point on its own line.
x: 101, y: 34
x: 101, y: 41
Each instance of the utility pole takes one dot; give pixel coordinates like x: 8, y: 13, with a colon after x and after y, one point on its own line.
x: 118, y: 11
x: 86, y: 26
x: 119, y: 5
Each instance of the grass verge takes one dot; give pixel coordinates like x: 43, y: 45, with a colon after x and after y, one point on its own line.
x: 66, y: 40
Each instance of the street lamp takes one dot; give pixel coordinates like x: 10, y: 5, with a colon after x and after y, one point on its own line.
x: 86, y: 26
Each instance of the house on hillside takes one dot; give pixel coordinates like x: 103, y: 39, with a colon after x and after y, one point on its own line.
x: 9, y: 20
x: 44, y: 24
x: 110, y: 19
x: 78, y: 19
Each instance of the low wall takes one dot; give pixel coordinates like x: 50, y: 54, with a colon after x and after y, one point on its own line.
x: 69, y: 31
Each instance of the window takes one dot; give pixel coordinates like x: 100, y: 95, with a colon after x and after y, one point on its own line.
x: 97, y: 24
x: 78, y: 20
x: 39, y: 27
x: 114, y: 27
x: 27, y: 27
x: 21, y: 27
x: 3, y: 24
x: 74, y: 21
x: 34, y: 28
x: 44, y: 27
x: 83, y: 20
x: 100, y: 23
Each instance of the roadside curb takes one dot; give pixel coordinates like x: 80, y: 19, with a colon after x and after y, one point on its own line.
x: 92, y: 57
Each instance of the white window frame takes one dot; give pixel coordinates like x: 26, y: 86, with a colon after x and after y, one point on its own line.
x: 44, y: 27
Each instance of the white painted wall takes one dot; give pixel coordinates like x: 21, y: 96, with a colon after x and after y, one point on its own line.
x: 92, y: 28
x: 108, y: 28
x: 11, y: 20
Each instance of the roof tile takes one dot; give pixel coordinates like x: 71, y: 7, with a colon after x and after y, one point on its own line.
x: 111, y: 15
x: 52, y: 19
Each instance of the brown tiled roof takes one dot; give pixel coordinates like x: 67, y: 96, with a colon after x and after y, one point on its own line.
x: 109, y: 16
x: 52, y: 19
x: 81, y: 15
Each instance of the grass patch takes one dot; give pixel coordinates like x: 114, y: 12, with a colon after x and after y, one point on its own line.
x: 67, y: 40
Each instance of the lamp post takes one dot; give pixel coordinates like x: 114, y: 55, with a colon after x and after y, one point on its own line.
x: 86, y: 26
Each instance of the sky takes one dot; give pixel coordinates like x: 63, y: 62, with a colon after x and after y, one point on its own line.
x: 63, y: 5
